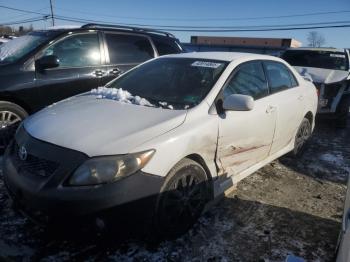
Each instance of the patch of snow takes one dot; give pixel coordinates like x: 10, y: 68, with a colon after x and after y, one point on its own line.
x: 120, y: 95
x: 334, y: 159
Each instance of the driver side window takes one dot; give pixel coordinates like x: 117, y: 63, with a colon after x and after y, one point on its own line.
x: 250, y: 80
x: 78, y: 50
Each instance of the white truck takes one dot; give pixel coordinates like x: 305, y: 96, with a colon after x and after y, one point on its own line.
x: 328, y: 69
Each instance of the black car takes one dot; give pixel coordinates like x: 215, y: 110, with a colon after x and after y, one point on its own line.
x: 46, y: 66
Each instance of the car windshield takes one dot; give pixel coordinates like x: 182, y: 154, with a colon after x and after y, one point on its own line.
x: 177, y: 83
x: 13, y: 50
x: 318, y: 59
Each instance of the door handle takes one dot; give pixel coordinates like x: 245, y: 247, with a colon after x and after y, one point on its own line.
x: 98, y: 73
x: 115, y: 71
x: 270, y: 109
x: 301, y: 97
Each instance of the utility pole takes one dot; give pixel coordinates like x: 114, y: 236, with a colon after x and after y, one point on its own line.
x: 52, y: 18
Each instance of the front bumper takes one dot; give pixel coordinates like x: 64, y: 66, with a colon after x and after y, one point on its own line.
x: 38, y: 188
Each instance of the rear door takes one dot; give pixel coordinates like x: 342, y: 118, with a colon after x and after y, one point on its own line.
x: 245, y: 137
x: 287, y: 96
x: 79, y: 70
x: 124, y: 51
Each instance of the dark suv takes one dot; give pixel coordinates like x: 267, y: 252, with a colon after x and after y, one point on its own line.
x: 46, y: 66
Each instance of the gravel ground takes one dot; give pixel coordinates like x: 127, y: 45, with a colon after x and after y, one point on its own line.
x: 288, y: 207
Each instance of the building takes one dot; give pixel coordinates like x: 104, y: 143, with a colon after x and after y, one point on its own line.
x: 272, y: 46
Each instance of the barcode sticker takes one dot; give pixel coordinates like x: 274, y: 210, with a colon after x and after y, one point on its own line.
x: 206, y: 64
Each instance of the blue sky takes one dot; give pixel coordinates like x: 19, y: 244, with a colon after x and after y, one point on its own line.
x: 196, y: 13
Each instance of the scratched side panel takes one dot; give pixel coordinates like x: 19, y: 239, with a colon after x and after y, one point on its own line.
x: 197, y: 135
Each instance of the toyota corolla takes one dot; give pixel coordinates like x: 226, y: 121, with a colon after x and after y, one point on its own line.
x: 161, y: 141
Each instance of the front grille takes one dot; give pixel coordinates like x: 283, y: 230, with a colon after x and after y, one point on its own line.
x: 32, y: 164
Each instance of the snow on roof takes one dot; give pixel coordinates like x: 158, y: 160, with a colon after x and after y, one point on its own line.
x: 326, y: 49
x: 59, y: 27
x: 224, y: 56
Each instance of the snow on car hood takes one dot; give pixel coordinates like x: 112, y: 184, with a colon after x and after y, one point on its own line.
x: 320, y: 75
x: 98, y: 126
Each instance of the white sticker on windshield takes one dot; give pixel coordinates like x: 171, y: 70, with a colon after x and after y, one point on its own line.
x: 206, y: 64
x: 337, y: 55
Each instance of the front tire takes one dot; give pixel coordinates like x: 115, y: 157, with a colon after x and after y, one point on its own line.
x: 11, y: 115
x: 182, y: 199
x: 301, y: 138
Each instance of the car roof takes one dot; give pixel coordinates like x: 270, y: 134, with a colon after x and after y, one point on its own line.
x: 326, y: 49
x: 115, y: 28
x: 223, y: 56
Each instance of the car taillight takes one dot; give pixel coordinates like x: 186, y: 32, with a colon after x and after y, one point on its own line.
x: 318, y: 92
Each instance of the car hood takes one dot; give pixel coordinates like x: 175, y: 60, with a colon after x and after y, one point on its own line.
x: 320, y: 75
x: 101, y: 126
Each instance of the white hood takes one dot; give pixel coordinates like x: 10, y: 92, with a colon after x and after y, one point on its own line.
x: 101, y: 126
x: 320, y: 75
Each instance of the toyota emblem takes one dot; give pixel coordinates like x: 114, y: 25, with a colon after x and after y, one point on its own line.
x: 22, y: 153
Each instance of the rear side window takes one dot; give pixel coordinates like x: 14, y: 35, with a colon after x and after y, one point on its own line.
x: 250, y: 80
x: 279, y: 77
x: 128, y: 49
x: 165, y: 48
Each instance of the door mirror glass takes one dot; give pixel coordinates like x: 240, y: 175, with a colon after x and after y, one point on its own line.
x: 238, y: 103
x: 49, y: 61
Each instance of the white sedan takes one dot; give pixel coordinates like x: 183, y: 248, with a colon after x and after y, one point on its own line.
x: 163, y: 139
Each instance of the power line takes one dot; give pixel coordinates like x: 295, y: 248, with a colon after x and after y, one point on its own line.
x: 21, y: 10
x: 217, y: 30
x: 169, y: 27
x: 210, y: 19
x: 29, y: 20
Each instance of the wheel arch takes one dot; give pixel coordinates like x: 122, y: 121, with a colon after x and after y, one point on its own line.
x: 199, y: 159
x: 309, y: 116
x: 16, y: 101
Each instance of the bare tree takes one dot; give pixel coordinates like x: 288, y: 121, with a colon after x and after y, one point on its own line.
x: 315, y: 39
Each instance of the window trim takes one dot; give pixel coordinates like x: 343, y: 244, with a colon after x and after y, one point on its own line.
x: 108, y: 61
x: 70, y: 34
x: 290, y: 73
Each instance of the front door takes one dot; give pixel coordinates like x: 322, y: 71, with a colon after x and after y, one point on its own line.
x: 245, y: 137
x: 79, y: 67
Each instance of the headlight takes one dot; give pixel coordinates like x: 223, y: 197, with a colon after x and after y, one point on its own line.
x: 108, y: 169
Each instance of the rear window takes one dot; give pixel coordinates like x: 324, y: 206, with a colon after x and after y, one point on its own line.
x: 165, y: 48
x: 128, y: 49
x: 318, y: 59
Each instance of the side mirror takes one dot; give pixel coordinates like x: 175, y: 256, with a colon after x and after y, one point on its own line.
x: 238, y: 103
x: 45, y: 62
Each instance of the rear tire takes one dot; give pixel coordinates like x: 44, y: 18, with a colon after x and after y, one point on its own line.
x: 301, y: 138
x: 343, y: 112
x: 182, y: 199
x: 11, y: 115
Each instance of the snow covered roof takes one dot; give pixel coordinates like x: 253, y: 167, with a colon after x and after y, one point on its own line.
x: 224, y: 56
x: 326, y: 49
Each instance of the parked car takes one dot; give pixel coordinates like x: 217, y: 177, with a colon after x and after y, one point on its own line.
x: 343, y: 250
x: 167, y: 136
x: 329, y: 69
x: 46, y: 66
